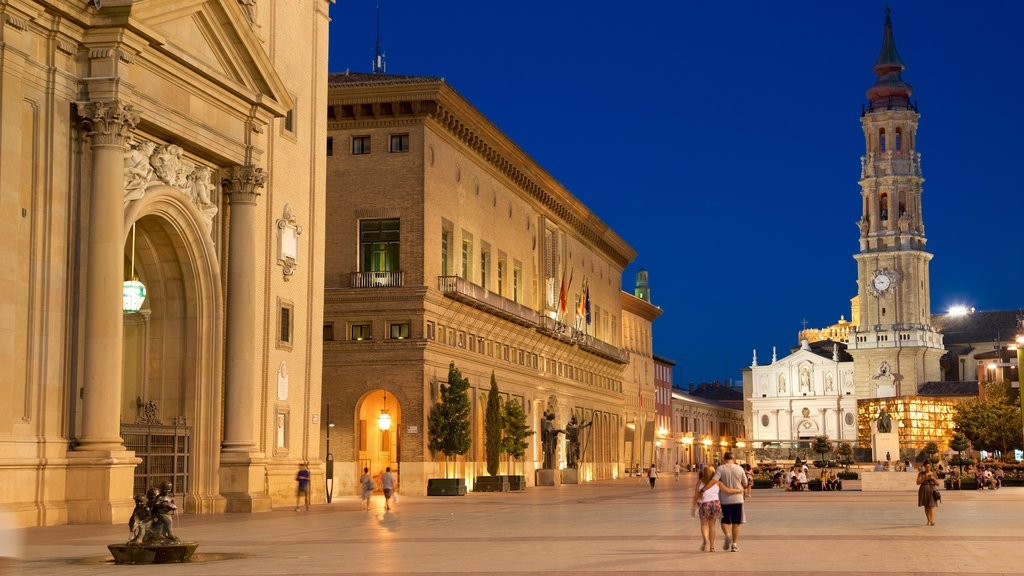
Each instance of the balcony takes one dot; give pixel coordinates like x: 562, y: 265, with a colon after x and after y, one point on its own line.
x: 483, y: 299
x: 375, y: 280
x: 566, y: 333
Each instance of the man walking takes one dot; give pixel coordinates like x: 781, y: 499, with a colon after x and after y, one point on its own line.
x: 733, y: 476
x: 302, y: 479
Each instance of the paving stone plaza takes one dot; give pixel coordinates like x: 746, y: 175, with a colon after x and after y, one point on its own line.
x: 619, y: 526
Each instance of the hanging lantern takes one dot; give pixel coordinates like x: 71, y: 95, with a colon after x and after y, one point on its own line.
x: 133, y: 292
x: 133, y: 295
x: 384, y: 420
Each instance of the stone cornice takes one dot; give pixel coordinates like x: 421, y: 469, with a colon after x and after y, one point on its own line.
x: 369, y: 104
x: 639, y: 307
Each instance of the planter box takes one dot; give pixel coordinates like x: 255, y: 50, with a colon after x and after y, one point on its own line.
x: 491, y: 484
x: 758, y: 484
x: 965, y: 484
x: 446, y: 487
x: 517, y: 483
x: 847, y: 475
x: 570, y: 476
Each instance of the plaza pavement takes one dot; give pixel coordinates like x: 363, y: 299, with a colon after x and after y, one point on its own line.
x: 620, y: 527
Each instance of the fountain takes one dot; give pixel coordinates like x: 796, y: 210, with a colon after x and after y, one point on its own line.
x: 152, y: 541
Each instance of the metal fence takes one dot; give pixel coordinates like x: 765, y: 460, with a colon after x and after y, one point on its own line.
x: 165, y: 452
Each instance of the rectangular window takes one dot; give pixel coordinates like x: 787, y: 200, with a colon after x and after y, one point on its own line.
x: 285, y: 321
x: 360, y: 144
x: 517, y: 282
x: 485, y: 267
x: 400, y: 330
x: 480, y: 345
x: 328, y: 331
x: 472, y: 343
x: 430, y: 331
x: 286, y: 324
x: 462, y: 340
x: 399, y: 142
x: 361, y: 331
x: 379, y: 245
x: 502, y: 264
x: 289, y: 121
x: 445, y: 239
x: 467, y: 255
x: 330, y: 145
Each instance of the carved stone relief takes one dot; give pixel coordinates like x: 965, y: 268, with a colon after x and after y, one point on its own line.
x: 288, y: 242
x: 148, y: 164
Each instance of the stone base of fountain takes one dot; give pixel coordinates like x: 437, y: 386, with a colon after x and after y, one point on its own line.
x: 153, y: 553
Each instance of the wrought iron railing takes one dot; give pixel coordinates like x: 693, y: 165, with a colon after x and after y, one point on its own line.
x: 460, y: 288
x: 392, y: 279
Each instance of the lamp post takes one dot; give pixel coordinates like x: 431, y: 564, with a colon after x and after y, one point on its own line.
x: 688, y: 443
x: 329, y: 465
x: 1020, y: 369
x: 707, y: 450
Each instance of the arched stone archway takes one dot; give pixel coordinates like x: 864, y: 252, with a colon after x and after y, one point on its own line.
x: 173, y: 348
x: 378, y: 445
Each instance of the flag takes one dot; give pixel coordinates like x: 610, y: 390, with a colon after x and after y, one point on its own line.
x: 581, y: 304
x: 563, y: 305
x: 587, y: 305
x: 561, y: 295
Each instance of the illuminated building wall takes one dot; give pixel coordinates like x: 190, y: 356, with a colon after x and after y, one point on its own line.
x: 918, y: 420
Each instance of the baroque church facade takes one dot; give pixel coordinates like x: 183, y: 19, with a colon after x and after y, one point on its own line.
x: 889, y: 351
x: 177, y: 144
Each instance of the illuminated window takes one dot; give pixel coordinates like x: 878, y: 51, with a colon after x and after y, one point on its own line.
x: 361, y: 331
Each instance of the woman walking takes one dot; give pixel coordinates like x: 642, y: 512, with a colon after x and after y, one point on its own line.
x: 652, y: 474
x: 707, y: 506
x: 366, y: 487
x: 927, y: 493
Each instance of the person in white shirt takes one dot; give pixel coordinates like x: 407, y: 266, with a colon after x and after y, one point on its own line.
x: 732, y: 476
x: 652, y: 474
x: 707, y: 505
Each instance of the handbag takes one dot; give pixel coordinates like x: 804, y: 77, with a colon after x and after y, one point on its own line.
x: 394, y: 497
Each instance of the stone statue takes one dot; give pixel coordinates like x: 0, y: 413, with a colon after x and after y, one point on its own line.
x: 572, y: 434
x: 805, y: 379
x: 137, y: 170
x: 549, y: 438
x: 151, y: 522
x: 883, y: 422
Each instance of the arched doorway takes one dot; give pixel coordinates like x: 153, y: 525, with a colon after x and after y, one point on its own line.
x: 171, y: 396
x: 379, y: 427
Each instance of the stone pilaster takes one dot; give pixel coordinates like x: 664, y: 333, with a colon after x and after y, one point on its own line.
x: 242, y: 465
x: 100, y: 470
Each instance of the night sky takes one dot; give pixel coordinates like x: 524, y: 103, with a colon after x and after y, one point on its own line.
x: 722, y: 141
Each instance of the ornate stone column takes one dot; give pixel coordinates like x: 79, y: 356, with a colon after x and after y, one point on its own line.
x: 100, y: 470
x: 242, y: 466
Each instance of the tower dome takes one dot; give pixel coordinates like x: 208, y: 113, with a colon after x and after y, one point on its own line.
x: 889, y: 90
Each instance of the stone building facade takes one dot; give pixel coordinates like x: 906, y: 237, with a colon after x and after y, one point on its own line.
x: 447, y: 243
x: 178, y: 143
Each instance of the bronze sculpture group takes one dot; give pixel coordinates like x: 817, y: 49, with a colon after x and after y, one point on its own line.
x: 151, y: 522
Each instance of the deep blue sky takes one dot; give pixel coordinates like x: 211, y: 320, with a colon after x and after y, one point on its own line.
x: 722, y: 141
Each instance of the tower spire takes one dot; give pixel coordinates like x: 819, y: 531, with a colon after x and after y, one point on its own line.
x: 379, y: 66
x: 889, y: 90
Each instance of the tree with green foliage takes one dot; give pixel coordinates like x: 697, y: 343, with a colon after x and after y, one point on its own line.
x: 823, y: 446
x: 959, y: 443
x: 514, y: 432
x: 983, y: 420
x: 845, y: 452
x: 448, y: 423
x: 492, y: 428
x: 931, y: 453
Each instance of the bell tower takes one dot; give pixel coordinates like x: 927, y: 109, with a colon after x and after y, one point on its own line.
x: 894, y: 347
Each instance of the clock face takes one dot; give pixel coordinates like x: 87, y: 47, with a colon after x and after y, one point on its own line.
x: 882, y: 282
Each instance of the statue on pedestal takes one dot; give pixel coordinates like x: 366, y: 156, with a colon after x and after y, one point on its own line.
x: 883, y: 422
x: 549, y: 439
